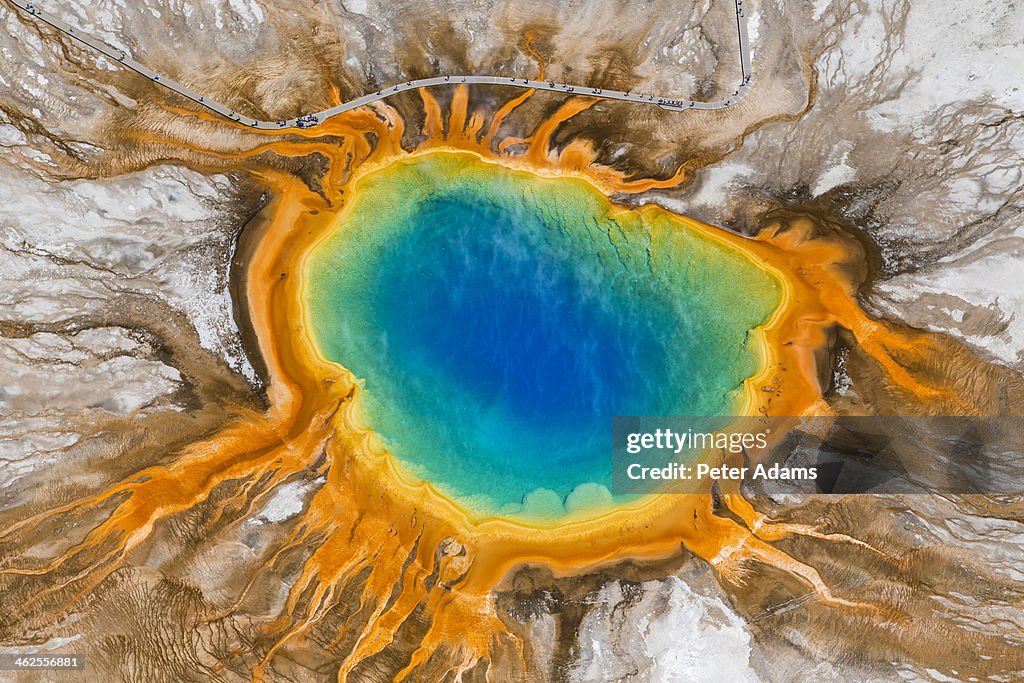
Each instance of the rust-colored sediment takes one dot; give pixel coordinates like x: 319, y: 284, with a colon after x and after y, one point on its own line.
x: 411, y: 548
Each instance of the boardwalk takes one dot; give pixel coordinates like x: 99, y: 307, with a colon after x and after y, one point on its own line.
x: 310, y: 120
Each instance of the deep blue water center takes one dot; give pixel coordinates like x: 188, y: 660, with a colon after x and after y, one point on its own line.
x: 504, y: 314
x: 499, y: 320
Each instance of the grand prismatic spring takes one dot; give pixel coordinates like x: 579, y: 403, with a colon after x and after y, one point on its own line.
x: 446, y: 328
x: 500, y: 319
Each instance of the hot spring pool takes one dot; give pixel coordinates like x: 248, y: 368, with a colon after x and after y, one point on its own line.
x: 499, y: 319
